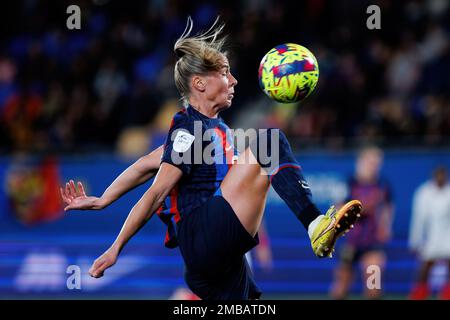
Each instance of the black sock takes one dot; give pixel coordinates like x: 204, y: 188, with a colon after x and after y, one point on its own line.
x: 285, y: 174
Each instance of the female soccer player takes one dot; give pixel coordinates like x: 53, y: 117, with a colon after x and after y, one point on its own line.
x: 213, y: 205
x: 365, y: 246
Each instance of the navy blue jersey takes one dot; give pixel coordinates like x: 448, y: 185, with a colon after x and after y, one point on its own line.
x: 374, y: 198
x: 203, y: 149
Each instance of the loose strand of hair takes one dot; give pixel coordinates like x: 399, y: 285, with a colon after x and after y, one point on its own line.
x: 187, y: 30
x: 210, y: 35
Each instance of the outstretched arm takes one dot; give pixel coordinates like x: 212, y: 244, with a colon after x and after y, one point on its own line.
x: 136, y: 174
x: 165, y: 180
x: 418, y: 222
x: 385, y: 226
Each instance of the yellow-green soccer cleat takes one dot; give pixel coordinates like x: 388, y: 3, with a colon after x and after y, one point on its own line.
x: 333, y: 225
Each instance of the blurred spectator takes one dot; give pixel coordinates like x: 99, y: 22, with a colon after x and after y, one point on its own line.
x: 429, y: 233
x: 109, y: 84
x: 365, y: 244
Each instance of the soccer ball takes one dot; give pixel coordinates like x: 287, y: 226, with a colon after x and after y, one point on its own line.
x: 288, y: 73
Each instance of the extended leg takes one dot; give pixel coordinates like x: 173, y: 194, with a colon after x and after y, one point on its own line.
x: 246, y: 190
x: 372, y: 258
x: 246, y: 184
x: 268, y: 160
x: 343, y: 277
x: 444, y: 294
x: 421, y: 290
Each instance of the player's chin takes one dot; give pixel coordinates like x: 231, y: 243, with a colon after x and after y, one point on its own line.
x: 228, y: 101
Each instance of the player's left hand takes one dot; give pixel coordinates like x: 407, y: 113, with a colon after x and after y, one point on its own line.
x: 76, y: 198
x: 383, y: 235
x: 105, y: 261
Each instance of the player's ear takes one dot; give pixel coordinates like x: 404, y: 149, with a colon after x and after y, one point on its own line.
x: 199, y: 83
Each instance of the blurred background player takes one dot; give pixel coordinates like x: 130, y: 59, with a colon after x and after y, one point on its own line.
x: 429, y: 234
x: 365, y: 244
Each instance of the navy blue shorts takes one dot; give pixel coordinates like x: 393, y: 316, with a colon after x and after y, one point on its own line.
x: 213, y: 244
x: 352, y: 255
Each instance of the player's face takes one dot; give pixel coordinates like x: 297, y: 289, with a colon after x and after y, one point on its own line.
x: 440, y: 176
x: 220, y: 86
x: 369, y: 165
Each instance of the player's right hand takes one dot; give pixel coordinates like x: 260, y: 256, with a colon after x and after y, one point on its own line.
x: 76, y: 199
x: 106, y: 260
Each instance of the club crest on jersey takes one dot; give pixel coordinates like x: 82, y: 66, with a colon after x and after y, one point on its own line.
x: 183, y: 141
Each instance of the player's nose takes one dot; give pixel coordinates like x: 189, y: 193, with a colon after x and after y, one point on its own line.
x: 233, y: 80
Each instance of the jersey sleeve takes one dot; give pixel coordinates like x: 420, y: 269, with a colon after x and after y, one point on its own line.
x: 179, y: 145
x: 418, y: 220
x: 387, y: 191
